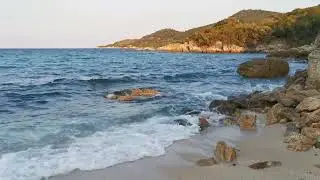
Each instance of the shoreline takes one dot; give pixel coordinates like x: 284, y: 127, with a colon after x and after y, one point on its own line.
x: 176, y: 51
x: 265, y: 144
x: 181, y: 154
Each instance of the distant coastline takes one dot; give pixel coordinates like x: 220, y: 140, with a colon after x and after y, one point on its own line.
x: 245, y: 31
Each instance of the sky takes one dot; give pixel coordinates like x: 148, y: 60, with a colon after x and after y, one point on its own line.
x: 88, y: 23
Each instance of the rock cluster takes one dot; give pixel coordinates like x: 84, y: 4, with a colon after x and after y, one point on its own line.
x: 297, y: 52
x: 297, y: 105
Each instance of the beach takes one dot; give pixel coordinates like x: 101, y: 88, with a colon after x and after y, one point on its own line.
x: 179, y: 163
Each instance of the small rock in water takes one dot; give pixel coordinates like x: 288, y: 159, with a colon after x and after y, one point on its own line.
x: 265, y: 164
x: 206, y: 162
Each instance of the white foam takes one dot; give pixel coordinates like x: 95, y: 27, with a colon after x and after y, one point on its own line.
x: 87, y: 78
x: 103, y: 149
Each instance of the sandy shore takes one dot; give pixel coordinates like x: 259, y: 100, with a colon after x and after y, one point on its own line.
x: 179, y: 163
x: 268, y: 146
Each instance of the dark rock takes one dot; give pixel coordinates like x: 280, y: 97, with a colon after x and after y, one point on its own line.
x: 227, y: 107
x: 264, y: 68
x: 265, y: 164
x: 256, y: 101
x: 207, y: 162
x: 182, y: 122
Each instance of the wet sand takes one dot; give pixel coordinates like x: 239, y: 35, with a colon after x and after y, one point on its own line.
x: 178, y: 163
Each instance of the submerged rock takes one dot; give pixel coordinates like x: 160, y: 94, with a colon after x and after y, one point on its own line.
x: 207, y: 162
x: 265, y: 164
x: 264, y: 68
x: 132, y: 94
x: 225, y: 153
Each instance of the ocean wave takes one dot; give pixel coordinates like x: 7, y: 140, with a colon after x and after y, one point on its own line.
x: 70, y: 80
x: 95, y: 80
x: 185, y: 76
x: 100, y: 150
x: 31, y: 96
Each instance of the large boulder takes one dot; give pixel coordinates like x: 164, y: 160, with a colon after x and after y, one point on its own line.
x: 309, y: 104
x: 314, y: 70
x: 224, y: 152
x: 264, y: 68
x: 265, y: 164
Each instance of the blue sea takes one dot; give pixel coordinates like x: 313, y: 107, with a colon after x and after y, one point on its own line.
x: 54, y: 117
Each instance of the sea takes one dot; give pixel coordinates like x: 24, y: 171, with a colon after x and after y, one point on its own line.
x: 54, y: 117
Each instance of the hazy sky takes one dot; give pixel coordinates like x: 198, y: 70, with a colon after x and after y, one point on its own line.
x: 87, y: 23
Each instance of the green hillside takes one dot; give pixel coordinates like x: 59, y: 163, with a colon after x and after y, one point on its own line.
x: 247, y: 28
